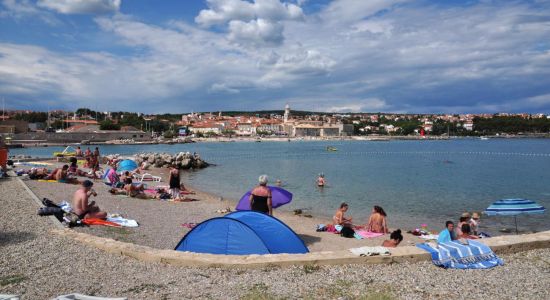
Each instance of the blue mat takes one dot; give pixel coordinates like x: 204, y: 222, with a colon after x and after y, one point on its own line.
x: 455, y: 255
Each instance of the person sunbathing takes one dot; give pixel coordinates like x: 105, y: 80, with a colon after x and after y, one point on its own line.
x: 136, y: 191
x: 74, y: 170
x: 82, y: 207
x: 62, y: 176
x: 40, y: 173
x: 395, y: 239
x: 377, y: 221
x: 467, y: 233
x: 339, y: 218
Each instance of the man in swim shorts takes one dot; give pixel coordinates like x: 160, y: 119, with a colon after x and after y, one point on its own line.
x: 82, y: 207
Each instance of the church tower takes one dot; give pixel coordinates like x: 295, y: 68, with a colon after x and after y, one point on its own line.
x: 287, y: 113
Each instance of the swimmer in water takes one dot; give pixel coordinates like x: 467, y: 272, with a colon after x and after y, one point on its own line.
x: 321, y: 180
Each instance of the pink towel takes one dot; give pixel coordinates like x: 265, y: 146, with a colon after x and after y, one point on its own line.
x: 368, y: 235
x: 150, y: 191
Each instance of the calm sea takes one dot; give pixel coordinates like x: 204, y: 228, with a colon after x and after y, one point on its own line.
x: 414, y: 181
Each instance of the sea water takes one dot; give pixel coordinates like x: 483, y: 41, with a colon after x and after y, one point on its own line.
x: 416, y: 182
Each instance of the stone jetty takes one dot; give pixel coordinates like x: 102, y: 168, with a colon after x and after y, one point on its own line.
x: 182, y: 160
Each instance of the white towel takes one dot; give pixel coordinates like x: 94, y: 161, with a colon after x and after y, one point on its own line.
x: 370, y: 251
x: 123, y: 222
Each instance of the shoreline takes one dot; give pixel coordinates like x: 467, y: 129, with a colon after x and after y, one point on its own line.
x: 371, y: 138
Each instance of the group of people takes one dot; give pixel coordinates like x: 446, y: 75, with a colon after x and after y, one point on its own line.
x: 376, y: 222
x: 467, y: 228
x: 92, y: 158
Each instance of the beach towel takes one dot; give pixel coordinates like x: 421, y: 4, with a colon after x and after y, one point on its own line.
x: 95, y: 221
x: 47, y: 180
x: 123, y: 222
x: 429, y: 237
x: 367, y: 234
x: 456, y: 255
x: 370, y: 251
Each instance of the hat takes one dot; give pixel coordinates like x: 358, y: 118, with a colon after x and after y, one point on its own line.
x: 466, y: 215
x: 475, y: 215
x: 87, y: 183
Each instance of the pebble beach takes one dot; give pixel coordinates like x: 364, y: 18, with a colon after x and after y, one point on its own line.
x: 40, y: 265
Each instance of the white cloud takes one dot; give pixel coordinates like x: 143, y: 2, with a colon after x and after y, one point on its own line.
x: 256, y: 32
x: 24, y: 9
x: 350, y: 56
x: 373, y: 104
x: 81, y: 6
x: 224, y: 11
x: 256, y: 23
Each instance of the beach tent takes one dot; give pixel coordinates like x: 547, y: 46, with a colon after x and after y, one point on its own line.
x: 127, y: 165
x: 242, y: 233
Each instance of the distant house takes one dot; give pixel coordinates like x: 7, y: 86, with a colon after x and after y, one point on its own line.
x: 468, y: 125
x: 245, y: 129
x: 206, y: 127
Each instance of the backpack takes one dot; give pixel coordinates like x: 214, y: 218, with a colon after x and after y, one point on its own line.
x: 347, y: 232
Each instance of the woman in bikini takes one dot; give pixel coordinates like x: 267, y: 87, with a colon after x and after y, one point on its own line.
x: 377, y: 221
x: 339, y: 218
x: 260, y: 197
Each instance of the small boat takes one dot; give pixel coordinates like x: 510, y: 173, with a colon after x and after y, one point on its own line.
x: 332, y: 149
x: 484, y: 138
x: 65, y: 152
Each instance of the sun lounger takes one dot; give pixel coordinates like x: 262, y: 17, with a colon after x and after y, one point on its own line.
x: 147, y: 177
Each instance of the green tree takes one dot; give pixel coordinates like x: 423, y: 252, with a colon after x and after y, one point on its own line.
x: 108, y: 125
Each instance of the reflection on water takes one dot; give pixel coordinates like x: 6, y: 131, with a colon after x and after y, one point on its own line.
x: 415, y: 181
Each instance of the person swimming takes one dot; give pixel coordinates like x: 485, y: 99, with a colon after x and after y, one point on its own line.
x: 321, y: 180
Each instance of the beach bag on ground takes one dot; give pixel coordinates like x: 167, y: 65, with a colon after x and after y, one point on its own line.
x: 347, y: 232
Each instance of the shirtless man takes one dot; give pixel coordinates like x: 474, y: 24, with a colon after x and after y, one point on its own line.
x: 81, y: 207
x: 78, y: 152
x: 61, y: 175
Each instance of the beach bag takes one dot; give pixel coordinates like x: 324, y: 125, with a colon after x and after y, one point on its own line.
x: 347, y: 232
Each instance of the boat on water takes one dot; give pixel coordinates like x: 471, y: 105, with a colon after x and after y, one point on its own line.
x: 484, y: 138
x: 332, y: 149
x: 66, y: 152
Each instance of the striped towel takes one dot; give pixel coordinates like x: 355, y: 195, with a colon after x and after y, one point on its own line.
x: 456, y: 255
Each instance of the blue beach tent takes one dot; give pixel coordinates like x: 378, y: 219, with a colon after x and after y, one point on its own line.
x: 242, y: 233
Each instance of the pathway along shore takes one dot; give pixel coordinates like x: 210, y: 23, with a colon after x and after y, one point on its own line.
x: 40, y: 265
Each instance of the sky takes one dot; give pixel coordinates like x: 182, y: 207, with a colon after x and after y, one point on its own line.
x: 176, y: 56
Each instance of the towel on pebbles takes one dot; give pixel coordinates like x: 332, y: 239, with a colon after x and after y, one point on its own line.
x: 370, y: 251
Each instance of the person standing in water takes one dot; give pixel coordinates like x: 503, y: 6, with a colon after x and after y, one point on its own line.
x: 260, y: 197
x: 321, y: 180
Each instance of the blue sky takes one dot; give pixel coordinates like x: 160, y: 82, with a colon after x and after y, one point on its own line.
x: 445, y: 56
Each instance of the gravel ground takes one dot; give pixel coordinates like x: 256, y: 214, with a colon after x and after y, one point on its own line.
x: 161, y: 221
x: 41, y: 265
